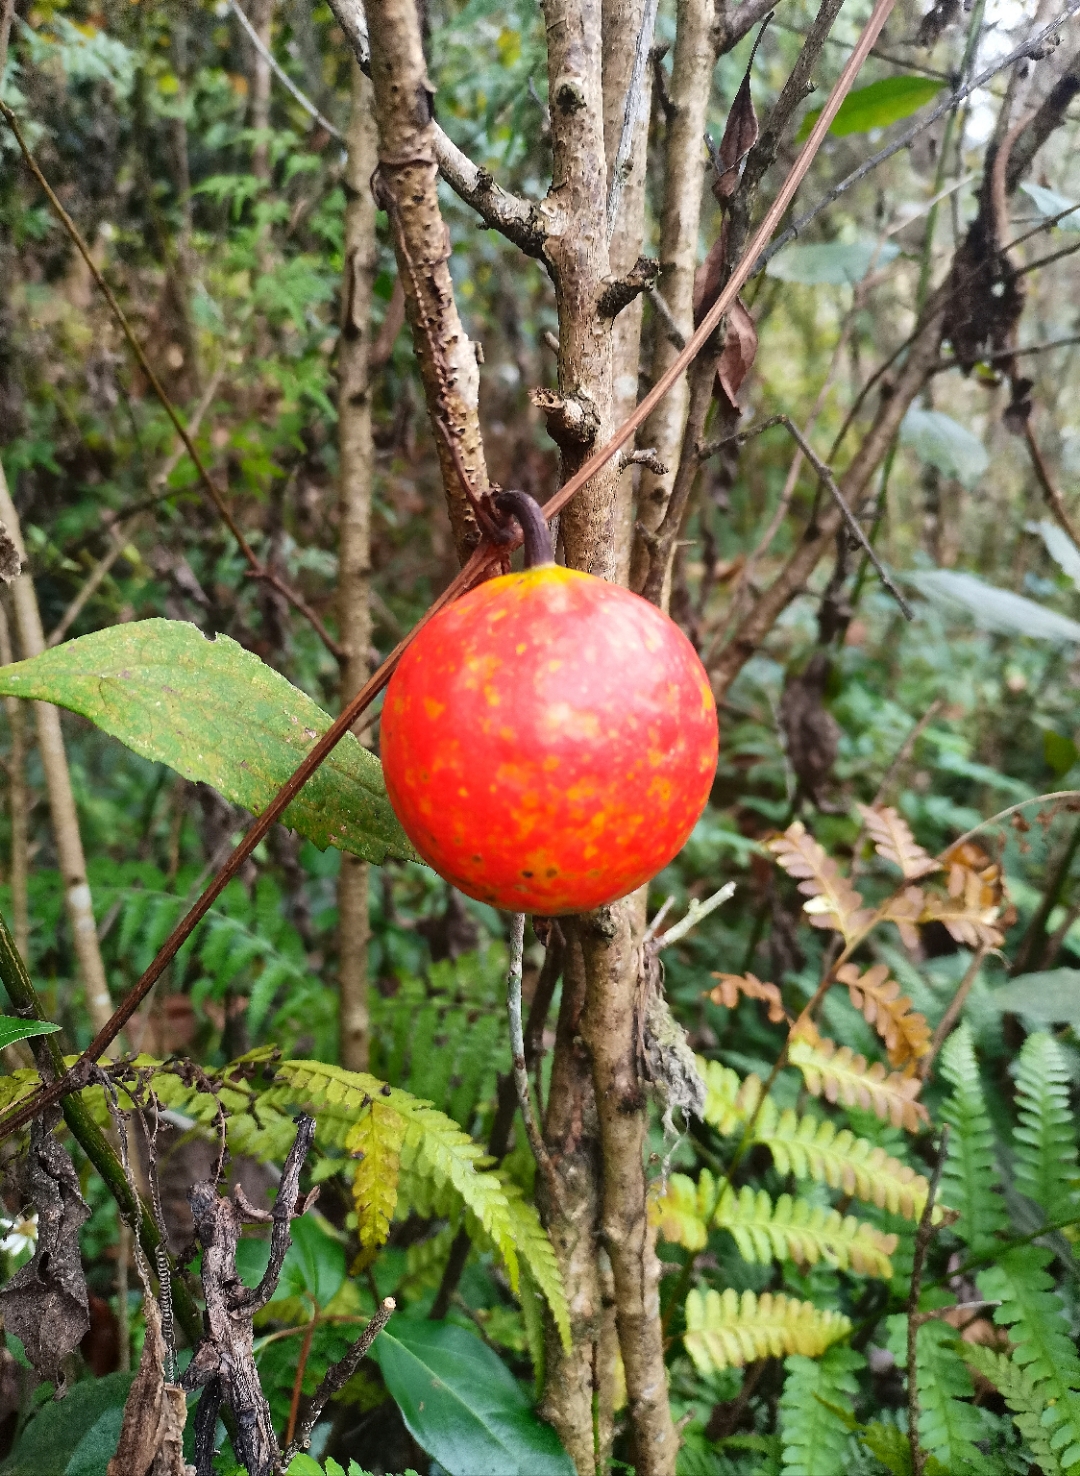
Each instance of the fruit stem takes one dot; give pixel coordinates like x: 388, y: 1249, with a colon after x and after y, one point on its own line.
x: 534, y: 528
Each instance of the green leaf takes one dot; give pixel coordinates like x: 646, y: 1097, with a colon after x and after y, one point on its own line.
x: 216, y: 713
x: 1052, y: 996
x: 993, y: 609
x: 314, y: 1263
x: 1049, y: 203
x: 816, y: 1415
x: 303, y: 1465
x: 1060, y: 752
x: 51, y: 1439
x: 98, y: 1446
x: 12, y: 1030
x: 1059, y: 546
x: 948, y: 1425
x: 877, y: 105
x: 941, y: 441
x: 463, y: 1406
x: 833, y: 264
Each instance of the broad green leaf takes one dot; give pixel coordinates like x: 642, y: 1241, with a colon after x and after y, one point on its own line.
x: 50, y: 1441
x: 991, y: 608
x: 13, y: 1030
x: 1052, y: 996
x: 1049, y: 203
x: 463, y: 1405
x: 1060, y: 752
x: 943, y: 442
x: 98, y: 1446
x: 877, y: 105
x: 1059, y: 546
x: 315, y: 1263
x: 216, y: 713
x: 833, y: 264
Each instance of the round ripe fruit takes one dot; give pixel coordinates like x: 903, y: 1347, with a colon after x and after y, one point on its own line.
x: 548, y: 741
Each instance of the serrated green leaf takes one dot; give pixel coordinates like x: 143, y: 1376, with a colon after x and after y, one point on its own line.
x: 12, y: 1030
x: 215, y: 713
x: 877, y: 105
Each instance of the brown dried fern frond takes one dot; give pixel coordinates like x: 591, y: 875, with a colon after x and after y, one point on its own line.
x: 732, y: 985
x: 839, y: 1074
x: 905, y: 1032
x: 894, y: 841
x: 833, y: 901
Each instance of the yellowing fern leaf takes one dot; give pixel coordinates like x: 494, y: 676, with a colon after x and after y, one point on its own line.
x: 833, y: 901
x: 814, y: 1148
x: 674, y: 1210
x: 905, y: 1032
x: 729, y: 1101
x: 374, y: 1141
x: 894, y: 841
x: 724, y: 1330
x: 732, y: 985
x: 435, y: 1154
x: 839, y: 1074
x: 964, y: 915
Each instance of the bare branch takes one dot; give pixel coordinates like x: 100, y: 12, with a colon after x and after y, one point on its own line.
x: 518, y: 220
x: 283, y: 76
x: 631, y: 114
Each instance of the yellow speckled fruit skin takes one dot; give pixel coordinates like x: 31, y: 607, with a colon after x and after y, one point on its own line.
x: 548, y: 741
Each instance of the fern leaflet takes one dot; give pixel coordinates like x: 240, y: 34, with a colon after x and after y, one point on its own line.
x: 832, y: 901
x: 1045, y: 1137
x: 1026, y: 1401
x: 948, y: 1425
x: 818, y: 1394
x: 375, y: 1143
x: 724, y: 1330
x: 1043, y: 1347
x: 732, y: 985
x: 894, y: 841
x: 905, y: 1032
x: 970, y: 1172
x: 839, y: 1074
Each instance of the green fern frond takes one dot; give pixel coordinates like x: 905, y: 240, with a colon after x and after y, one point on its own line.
x: 375, y: 1142
x: 948, y: 1425
x: 436, y: 1155
x: 1027, y: 1402
x: 1045, y: 1136
x: 792, y: 1229
x: 1040, y: 1332
x: 814, y: 1148
x: 725, y: 1330
x: 889, y: 1445
x: 729, y: 1101
x: 970, y: 1174
x: 816, y: 1415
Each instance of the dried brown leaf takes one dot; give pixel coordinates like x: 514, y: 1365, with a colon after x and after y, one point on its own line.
x: 894, y: 841
x: 833, y: 901
x: 740, y: 351
x: 740, y: 136
x: 152, y: 1435
x: 905, y: 909
x: 10, y: 559
x: 905, y: 1032
x: 732, y: 985
x: 46, y: 1303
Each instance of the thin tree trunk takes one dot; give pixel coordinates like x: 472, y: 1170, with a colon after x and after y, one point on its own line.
x: 65, y: 819
x: 262, y: 15
x: 684, y: 177
x: 18, y: 804
x: 407, y: 187
x: 354, y: 546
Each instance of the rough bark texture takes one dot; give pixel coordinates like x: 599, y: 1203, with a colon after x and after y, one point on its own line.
x: 354, y: 539
x: 574, y: 211
x: 622, y: 24
x: 609, y: 1030
x: 65, y: 819
x: 407, y: 180
x: 571, y: 1135
x: 684, y: 177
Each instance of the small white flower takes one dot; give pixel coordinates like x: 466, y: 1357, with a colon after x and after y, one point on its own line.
x: 19, y: 1234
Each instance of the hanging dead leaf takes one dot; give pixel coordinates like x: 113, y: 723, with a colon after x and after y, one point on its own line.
x: 731, y: 986
x: 740, y: 351
x: 740, y: 136
x: 10, y: 559
x: 152, y: 1435
x: 45, y: 1303
x: 811, y: 733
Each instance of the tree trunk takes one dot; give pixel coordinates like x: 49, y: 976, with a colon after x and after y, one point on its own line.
x: 354, y: 540
x: 65, y: 818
